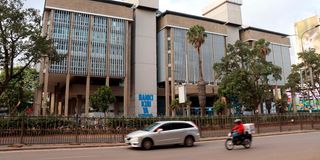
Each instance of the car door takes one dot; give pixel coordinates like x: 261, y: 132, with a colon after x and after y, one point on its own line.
x: 166, y: 136
x: 180, y: 131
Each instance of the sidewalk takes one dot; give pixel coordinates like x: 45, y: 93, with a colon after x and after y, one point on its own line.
x: 18, y: 147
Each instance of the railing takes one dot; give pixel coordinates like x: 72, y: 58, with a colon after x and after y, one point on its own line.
x: 57, y: 130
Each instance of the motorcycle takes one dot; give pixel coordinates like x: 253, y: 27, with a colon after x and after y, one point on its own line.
x: 244, y: 140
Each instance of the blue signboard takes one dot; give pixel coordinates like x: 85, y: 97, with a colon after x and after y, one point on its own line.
x: 146, y: 101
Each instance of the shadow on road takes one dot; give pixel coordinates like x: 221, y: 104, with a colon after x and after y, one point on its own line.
x: 169, y: 147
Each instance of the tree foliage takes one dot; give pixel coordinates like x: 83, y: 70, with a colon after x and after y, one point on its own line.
x: 196, y: 36
x: 20, y: 92
x: 305, y: 75
x: 21, y: 42
x: 246, y: 74
x: 175, y: 104
x: 220, y: 107
x: 282, y: 104
x: 102, y: 99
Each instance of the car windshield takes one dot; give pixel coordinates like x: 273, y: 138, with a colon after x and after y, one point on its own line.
x: 150, y: 127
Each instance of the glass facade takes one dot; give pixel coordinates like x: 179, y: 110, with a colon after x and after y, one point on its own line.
x: 179, y: 54
x: 99, y: 47
x: 117, y: 50
x: 280, y: 56
x: 108, y: 40
x: 186, y: 59
x: 60, y: 37
x: 80, y: 37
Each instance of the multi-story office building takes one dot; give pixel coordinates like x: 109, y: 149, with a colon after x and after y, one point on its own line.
x: 141, y: 53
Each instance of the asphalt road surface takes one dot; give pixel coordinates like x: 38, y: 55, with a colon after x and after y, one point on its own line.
x: 285, y: 147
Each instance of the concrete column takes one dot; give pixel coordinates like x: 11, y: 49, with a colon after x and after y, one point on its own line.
x: 87, y: 103
x: 167, y: 87
x: 108, y: 53
x: 38, y: 94
x: 67, y: 90
x: 87, y: 100
x: 45, y: 89
x: 126, y: 95
x: 59, y: 108
x: 187, y: 58
x: 66, y: 97
x: 52, y: 100
x: 173, y: 95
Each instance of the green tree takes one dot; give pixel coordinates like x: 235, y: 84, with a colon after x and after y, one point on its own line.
x: 282, y: 104
x: 102, y: 99
x: 196, y: 36
x: 245, y: 73
x: 293, y: 84
x: 21, y: 42
x: 174, y: 105
x: 20, y: 92
x: 219, y: 107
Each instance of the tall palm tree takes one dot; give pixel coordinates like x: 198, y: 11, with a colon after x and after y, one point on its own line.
x: 196, y: 36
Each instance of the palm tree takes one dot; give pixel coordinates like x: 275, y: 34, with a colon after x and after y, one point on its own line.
x: 196, y: 36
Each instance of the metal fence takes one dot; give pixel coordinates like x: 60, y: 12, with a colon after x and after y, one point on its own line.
x: 58, y: 130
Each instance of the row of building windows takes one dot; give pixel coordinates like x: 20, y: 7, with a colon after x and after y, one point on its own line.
x: 186, y: 59
x: 79, y: 30
x: 280, y: 56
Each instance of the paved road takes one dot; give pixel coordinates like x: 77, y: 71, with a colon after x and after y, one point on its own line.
x: 286, y: 147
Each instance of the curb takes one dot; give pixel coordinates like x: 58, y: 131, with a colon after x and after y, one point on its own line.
x: 20, y: 147
x: 66, y: 146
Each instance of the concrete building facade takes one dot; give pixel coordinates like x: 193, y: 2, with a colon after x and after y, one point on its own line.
x: 307, y: 33
x: 140, y: 52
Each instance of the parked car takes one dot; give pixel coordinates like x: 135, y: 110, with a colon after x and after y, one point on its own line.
x: 164, y: 133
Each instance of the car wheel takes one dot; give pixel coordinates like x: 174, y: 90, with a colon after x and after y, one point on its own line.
x: 147, y: 144
x: 188, y: 142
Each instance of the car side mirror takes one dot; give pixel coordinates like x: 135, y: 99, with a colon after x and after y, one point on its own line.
x: 159, y: 130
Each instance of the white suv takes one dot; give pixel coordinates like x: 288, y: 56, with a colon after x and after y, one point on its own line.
x: 164, y: 133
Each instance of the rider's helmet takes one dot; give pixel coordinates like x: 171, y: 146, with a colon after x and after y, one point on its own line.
x: 237, y: 121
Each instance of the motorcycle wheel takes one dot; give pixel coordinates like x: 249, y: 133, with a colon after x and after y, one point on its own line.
x: 247, y: 143
x: 229, y: 144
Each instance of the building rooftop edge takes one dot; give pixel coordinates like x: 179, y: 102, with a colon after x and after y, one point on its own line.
x: 263, y: 30
x: 126, y: 4
x: 215, y: 4
x: 162, y: 14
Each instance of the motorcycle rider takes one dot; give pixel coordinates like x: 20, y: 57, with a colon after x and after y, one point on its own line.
x: 237, y: 130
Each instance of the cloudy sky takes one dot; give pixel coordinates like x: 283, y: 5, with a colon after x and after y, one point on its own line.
x: 275, y: 15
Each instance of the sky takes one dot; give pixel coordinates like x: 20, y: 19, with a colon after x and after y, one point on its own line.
x: 275, y: 15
